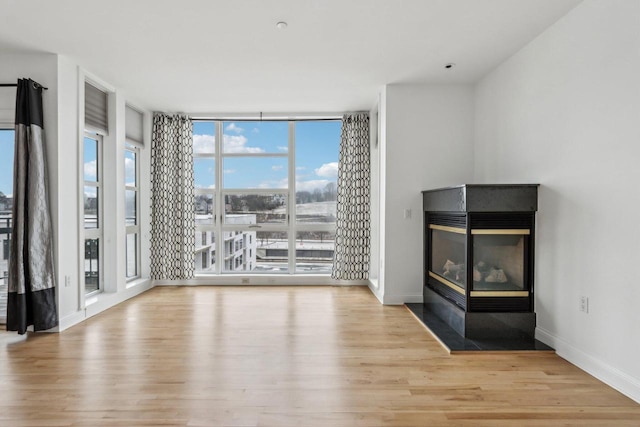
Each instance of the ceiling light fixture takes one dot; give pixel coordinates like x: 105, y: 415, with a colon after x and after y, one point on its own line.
x: 281, y: 25
x: 449, y: 65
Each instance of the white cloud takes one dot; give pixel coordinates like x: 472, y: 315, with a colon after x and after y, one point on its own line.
x: 232, y: 143
x: 228, y: 171
x: 300, y: 168
x: 328, y: 170
x: 90, y: 169
x: 283, y: 183
x: 312, y: 185
x: 277, y: 167
x: 204, y: 143
x: 255, y: 130
x: 232, y: 127
x: 282, y: 148
x: 238, y: 144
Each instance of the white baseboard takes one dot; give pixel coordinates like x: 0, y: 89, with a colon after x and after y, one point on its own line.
x: 103, y: 302
x: 624, y: 383
x: 375, y: 290
x: 70, y: 320
x: 400, y: 299
x: 261, y: 280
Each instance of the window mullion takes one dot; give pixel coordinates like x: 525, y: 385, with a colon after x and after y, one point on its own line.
x: 292, y: 198
x: 219, y: 204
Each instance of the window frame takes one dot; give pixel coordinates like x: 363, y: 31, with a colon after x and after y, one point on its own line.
x: 98, y: 232
x: 3, y: 313
x: 221, y: 228
x: 133, y: 147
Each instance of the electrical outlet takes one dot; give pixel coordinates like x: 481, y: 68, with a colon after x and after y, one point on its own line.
x: 584, y: 304
x: 407, y: 214
x: 245, y: 281
x: 67, y: 281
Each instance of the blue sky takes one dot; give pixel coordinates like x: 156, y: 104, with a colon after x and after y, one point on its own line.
x: 6, y: 161
x: 317, y: 145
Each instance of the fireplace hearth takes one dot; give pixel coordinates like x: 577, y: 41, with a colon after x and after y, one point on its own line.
x: 479, y: 259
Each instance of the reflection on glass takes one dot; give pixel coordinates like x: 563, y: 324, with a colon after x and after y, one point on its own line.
x: 204, y: 208
x: 317, y: 149
x: 204, y: 140
x: 205, y: 251
x: 130, y: 207
x: 91, y: 265
x: 255, y: 208
x: 255, y: 172
x: 447, y: 256
x: 258, y: 251
x: 256, y: 137
x: 204, y: 172
x: 314, y: 251
x: 90, y: 159
x: 498, y: 262
x: 130, y: 168
x: 91, y: 208
x: 317, y: 207
x: 132, y: 255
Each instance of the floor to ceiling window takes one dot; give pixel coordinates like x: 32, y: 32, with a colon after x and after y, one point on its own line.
x: 6, y: 203
x: 132, y: 210
x: 92, y: 196
x: 265, y: 195
x: 96, y: 127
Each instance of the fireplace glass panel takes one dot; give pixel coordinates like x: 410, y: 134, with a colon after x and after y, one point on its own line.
x: 498, y: 262
x: 447, y: 256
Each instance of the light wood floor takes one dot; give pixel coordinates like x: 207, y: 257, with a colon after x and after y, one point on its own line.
x: 283, y: 356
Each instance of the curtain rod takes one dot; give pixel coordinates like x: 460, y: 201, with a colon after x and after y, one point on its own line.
x: 272, y: 117
x: 16, y: 85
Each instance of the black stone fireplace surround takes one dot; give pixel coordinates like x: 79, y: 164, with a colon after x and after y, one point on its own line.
x: 478, y: 267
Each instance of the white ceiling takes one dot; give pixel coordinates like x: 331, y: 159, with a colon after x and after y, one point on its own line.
x: 227, y: 56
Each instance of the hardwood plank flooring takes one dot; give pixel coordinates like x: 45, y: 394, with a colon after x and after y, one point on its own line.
x: 283, y: 356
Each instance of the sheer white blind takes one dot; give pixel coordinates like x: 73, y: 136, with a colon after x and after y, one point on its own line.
x: 133, y: 125
x: 95, y: 108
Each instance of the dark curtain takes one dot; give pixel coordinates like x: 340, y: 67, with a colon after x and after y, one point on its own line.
x: 32, y: 294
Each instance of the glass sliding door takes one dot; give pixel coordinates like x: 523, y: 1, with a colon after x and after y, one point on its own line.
x: 6, y: 204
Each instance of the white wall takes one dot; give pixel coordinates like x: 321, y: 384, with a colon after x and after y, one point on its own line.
x: 68, y: 251
x: 427, y: 143
x: 565, y: 112
x: 61, y: 123
x: 374, y: 164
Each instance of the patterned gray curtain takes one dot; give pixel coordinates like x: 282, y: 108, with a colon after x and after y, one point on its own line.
x: 172, y: 198
x: 32, y: 293
x: 351, y: 256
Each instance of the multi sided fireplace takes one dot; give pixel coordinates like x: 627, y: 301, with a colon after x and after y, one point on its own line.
x: 479, y: 259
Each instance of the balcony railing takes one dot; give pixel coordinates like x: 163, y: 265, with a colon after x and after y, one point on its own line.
x: 5, y: 245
